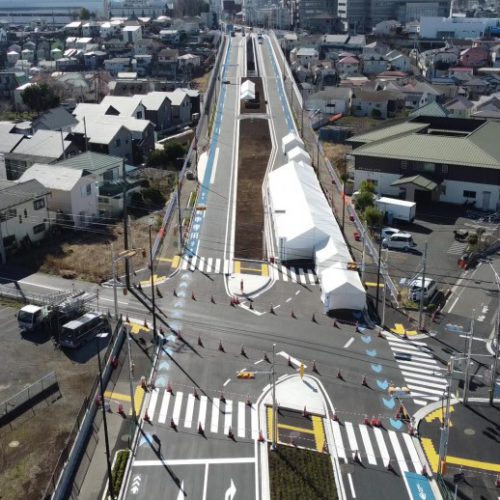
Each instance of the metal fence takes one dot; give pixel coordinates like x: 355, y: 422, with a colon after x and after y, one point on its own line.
x: 33, y: 298
x: 23, y: 397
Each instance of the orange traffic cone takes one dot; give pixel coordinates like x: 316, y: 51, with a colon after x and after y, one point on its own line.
x: 261, y: 438
x: 169, y: 388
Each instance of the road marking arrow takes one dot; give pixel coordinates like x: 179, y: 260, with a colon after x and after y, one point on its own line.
x: 231, y: 491
x: 136, y: 483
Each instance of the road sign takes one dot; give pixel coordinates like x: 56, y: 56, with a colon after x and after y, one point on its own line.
x: 420, y: 487
x: 454, y: 328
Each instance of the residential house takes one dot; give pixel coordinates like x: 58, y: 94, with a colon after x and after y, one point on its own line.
x: 331, y: 101
x: 386, y: 28
x: 474, y: 57
x: 91, y: 29
x: 74, y: 28
x: 194, y: 97
x: 68, y: 64
x: 158, y: 109
x: 131, y: 34
x: 170, y: 36
x: 167, y: 63
x: 24, y: 215
x: 94, y: 59
x: 9, y: 139
x: 460, y: 70
x: 475, y: 87
x: 189, y: 61
x: 117, y: 65
x: 181, y: 108
x: 373, y: 64
x: 18, y: 97
x: 305, y: 56
x: 381, y: 104
x: 54, y: 119
x: 398, y: 61
x: 348, y: 66
x: 417, y: 94
x: 73, y: 192
x: 10, y: 80
x: 459, y: 107
x: 410, y: 160
x: 375, y: 48
x: 44, y: 146
x: 487, y: 107
x: 430, y: 109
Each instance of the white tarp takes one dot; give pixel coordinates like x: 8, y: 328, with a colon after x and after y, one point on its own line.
x: 247, y: 90
x: 291, y: 141
x: 298, y: 154
x: 302, y: 218
x: 342, y: 289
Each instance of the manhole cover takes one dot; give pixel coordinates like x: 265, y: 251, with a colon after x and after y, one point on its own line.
x: 469, y: 432
x: 14, y: 444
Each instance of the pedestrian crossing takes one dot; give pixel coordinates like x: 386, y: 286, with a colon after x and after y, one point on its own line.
x: 422, y: 374
x: 375, y: 446
x: 217, y: 265
x: 457, y: 248
x: 216, y: 416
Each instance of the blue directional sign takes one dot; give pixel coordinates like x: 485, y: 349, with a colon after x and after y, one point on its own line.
x: 419, y: 486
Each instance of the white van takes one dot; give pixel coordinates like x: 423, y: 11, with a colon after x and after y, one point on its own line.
x: 399, y: 241
x: 415, y: 289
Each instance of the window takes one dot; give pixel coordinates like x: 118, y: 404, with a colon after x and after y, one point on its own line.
x: 444, y: 168
x: 39, y: 228
x: 429, y: 167
x: 118, y: 142
x: 442, y: 188
x: 404, y: 164
x: 469, y: 194
x: 89, y: 189
x: 39, y: 204
x: 139, y: 115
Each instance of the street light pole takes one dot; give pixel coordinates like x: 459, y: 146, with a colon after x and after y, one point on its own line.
x: 468, y: 359
x: 275, y: 423
x: 445, y: 428
x: 181, y: 243
x: 422, y: 290
x: 106, y: 437
x: 377, y: 291
x: 385, y: 288
x: 494, y: 366
x: 152, y: 282
x: 113, y: 266
x: 130, y: 373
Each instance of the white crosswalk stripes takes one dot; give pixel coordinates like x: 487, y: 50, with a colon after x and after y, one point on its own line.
x: 457, y: 248
x: 237, y: 415
x: 375, y: 446
x: 421, y: 372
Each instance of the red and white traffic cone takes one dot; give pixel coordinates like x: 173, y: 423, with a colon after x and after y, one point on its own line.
x: 423, y: 472
x: 250, y: 306
x: 313, y: 319
x: 175, y: 293
x: 335, y: 417
x: 389, y: 466
x: 195, y: 393
x: 290, y: 362
x: 243, y: 352
x: 261, y: 438
x: 266, y: 358
x: 249, y: 401
x: 146, y: 417
x: 173, y: 425
x: 271, y: 310
x: 292, y: 314
x: 222, y: 397
x: 120, y: 410
x: 356, y: 457
x: 357, y: 328
x: 212, y: 300
x: 193, y: 296
x: 374, y: 422
x: 497, y: 481
x: 305, y: 413
x: 314, y: 367
x: 335, y: 324
x: 170, y: 388
x: 325, y: 447
x: 380, y: 334
x: 200, y: 429
x: 366, y: 421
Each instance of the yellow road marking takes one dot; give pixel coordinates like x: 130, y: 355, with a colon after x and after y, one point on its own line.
x: 399, y: 329
x: 432, y: 456
x: 438, y: 414
x: 175, y: 262
x: 296, y: 429
x: 237, y: 266
x: 319, y: 432
x: 117, y: 396
x: 369, y: 283
x: 157, y: 280
x: 270, y: 426
x: 138, y: 397
x: 136, y: 328
x: 264, y: 270
x: 164, y: 259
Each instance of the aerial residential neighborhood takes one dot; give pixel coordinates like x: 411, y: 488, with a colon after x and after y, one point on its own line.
x: 249, y: 249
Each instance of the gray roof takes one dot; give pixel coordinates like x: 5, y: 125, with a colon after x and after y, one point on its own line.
x: 91, y: 162
x: 419, y: 181
x: 459, y: 103
x: 480, y: 148
x: 387, y: 132
x: 177, y: 97
x: 430, y: 109
x: 332, y: 93
x: 55, y: 119
x: 43, y: 144
x: 154, y: 100
x: 15, y: 193
x: 8, y: 140
x: 53, y: 176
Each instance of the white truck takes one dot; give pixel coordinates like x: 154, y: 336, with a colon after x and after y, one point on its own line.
x: 38, y: 317
x: 397, y: 209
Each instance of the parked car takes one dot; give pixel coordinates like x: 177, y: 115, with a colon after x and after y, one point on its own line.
x: 399, y: 241
x: 388, y: 231
x: 415, y: 289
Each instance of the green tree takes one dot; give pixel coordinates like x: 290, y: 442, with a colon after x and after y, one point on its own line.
x: 367, y: 187
x: 364, y: 200
x: 158, y: 158
x: 84, y: 14
x: 373, y: 217
x: 173, y: 150
x: 40, y: 97
x: 376, y: 113
x: 153, y: 197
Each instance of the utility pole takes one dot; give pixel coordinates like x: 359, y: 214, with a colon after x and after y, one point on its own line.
x: 468, y: 359
x: 125, y: 223
x: 494, y: 366
x: 115, y: 296
x: 130, y: 373
x: 363, y: 253
x: 385, y: 287
x: 445, y: 427
x: 377, y: 291
x: 181, y: 243
x: 422, y: 290
x: 275, y: 412
x: 151, y: 265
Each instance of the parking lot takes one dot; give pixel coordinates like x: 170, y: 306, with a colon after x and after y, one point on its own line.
x: 31, y: 443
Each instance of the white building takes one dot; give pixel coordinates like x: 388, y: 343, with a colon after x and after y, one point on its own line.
x: 456, y: 27
x: 73, y: 193
x: 131, y: 34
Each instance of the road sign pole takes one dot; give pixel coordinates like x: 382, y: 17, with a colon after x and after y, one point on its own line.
x: 468, y: 359
x: 275, y: 423
x: 422, y: 290
x: 494, y: 366
x: 115, y: 297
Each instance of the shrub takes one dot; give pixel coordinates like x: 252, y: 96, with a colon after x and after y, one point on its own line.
x: 364, y: 200
x: 119, y: 470
x: 373, y: 217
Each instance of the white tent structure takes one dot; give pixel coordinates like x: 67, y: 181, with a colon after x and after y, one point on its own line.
x: 247, y: 90
x: 298, y: 154
x: 301, y: 216
x: 291, y: 141
x: 342, y: 289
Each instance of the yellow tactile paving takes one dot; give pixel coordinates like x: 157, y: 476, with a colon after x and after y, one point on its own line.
x: 136, y: 328
x: 369, y: 283
x: 264, y: 270
x: 319, y: 432
x: 138, y: 397
x: 117, y: 396
x: 433, y: 457
x: 294, y: 428
x: 270, y: 426
x: 175, y: 262
x: 399, y: 329
x: 164, y: 259
x: 157, y: 280
x: 438, y: 414
x: 237, y: 267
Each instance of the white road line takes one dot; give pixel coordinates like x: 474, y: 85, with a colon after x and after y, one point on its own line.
x: 177, y: 408
x: 214, y: 165
x: 185, y: 263
x: 258, y: 362
x: 195, y: 461
x: 425, y: 383
x: 398, y: 452
x: 226, y: 382
x: 192, y: 267
x: 351, y: 485
x: 293, y: 275
x: 241, y: 419
x: 293, y: 360
x: 312, y: 277
x: 437, y: 380
x: 430, y: 363
x: 152, y: 403
x: 302, y: 278
x: 284, y: 273
x: 162, y: 418
x: 205, y: 483
x: 337, y: 439
x: 228, y: 416
x: 413, y: 453
x: 188, y: 417
x: 414, y: 371
x: 254, y: 415
x: 398, y: 340
x: 217, y: 266
x: 384, y: 453
x: 214, y: 422
x: 226, y: 269
x: 453, y: 304
x: 412, y: 348
x: 365, y: 436
x: 202, y: 414
x: 201, y: 264
x: 289, y: 299
x: 412, y: 351
x: 348, y: 343
x: 209, y: 264
x: 420, y: 389
x: 351, y: 436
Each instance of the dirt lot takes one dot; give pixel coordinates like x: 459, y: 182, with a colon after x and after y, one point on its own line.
x: 85, y: 255
x: 31, y: 444
x: 259, y: 92
x: 254, y: 151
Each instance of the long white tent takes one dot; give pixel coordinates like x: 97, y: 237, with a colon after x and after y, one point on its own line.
x: 247, y: 90
x: 305, y: 228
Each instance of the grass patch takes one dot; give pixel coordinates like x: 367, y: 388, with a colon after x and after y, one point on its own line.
x: 299, y: 474
x: 119, y: 470
x: 201, y: 83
